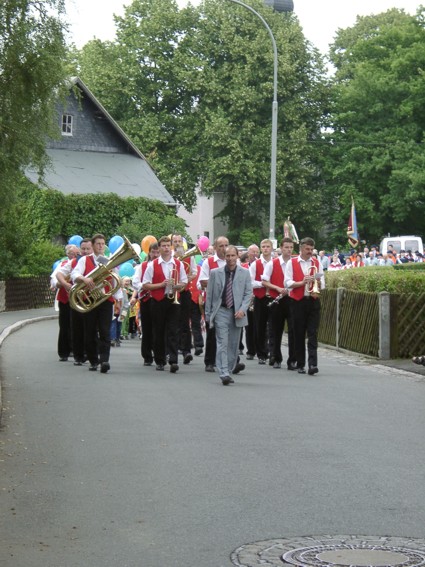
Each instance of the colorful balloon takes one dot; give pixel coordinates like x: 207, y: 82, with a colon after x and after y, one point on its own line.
x: 115, y: 242
x: 55, y: 265
x: 76, y: 240
x: 146, y: 242
x: 126, y: 269
x: 203, y: 243
x: 137, y: 248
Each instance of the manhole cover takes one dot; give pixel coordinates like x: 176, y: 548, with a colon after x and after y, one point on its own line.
x: 333, y: 551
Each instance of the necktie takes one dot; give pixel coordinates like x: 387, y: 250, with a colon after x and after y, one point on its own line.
x: 229, y: 292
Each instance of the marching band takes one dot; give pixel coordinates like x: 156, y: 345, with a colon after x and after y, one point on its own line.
x: 168, y: 293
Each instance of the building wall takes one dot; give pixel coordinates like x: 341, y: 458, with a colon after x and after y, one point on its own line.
x: 91, y: 130
x: 201, y: 221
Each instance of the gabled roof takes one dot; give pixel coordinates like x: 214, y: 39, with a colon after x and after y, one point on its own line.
x: 87, y: 170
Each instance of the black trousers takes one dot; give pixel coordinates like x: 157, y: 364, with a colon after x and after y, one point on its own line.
x: 185, y: 337
x: 210, y: 346
x: 97, y: 332
x: 77, y: 330
x: 165, y: 317
x: 279, y: 314
x: 261, y: 315
x: 306, y: 318
x: 64, y: 337
x: 147, y: 330
x: 195, y: 320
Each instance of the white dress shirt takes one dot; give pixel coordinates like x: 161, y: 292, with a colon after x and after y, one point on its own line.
x: 167, y: 268
x: 253, y: 271
x: 305, y: 267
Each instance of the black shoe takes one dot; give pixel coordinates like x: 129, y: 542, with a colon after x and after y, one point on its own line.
x: 292, y: 366
x: 226, y: 380
x: 249, y: 357
x: 277, y: 365
x: 261, y: 361
x: 238, y: 368
x: 198, y: 351
x: 209, y: 368
x: 160, y: 367
x: 147, y: 363
x: 271, y: 361
x: 173, y: 367
x: 313, y: 370
x: 63, y: 359
x: 104, y: 367
x: 301, y: 370
x: 187, y: 358
x: 93, y: 367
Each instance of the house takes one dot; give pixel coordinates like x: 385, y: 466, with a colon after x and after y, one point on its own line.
x: 94, y: 155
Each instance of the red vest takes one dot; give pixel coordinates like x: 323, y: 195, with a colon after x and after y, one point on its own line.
x: 62, y: 296
x: 193, y: 287
x: 277, y: 277
x: 212, y: 263
x: 158, y: 277
x: 298, y: 275
x: 144, y: 295
x: 259, y: 269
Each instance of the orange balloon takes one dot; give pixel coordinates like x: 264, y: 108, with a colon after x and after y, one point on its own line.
x: 146, y: 242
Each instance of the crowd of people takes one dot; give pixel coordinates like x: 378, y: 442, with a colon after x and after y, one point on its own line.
x: 228, y: 305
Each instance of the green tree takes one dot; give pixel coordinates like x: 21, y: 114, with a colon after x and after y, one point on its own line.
x: 32, y: 51
x: 193, y: 88
x: 378, y: 118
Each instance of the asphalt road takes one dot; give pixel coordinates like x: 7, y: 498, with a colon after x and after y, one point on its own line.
x: 142, y: 468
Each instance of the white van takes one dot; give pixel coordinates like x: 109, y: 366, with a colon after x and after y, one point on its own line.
x: 413, y: 243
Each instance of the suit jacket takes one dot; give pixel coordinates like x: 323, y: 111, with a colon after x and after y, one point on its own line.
x: 242, y: 291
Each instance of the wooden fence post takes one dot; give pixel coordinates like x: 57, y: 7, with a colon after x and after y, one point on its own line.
x: 339, y: 297
x: 384, y: 326
x: 2, y: 296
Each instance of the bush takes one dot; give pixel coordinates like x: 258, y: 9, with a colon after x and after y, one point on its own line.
x: 377, y: 279
x: 39, y: 258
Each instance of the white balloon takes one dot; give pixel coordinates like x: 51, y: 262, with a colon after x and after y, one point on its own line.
x: 137, y: 248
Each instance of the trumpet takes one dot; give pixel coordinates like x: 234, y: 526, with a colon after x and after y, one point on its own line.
x: 276, y: 300
x: 173, y: 293
x: 313, y: 287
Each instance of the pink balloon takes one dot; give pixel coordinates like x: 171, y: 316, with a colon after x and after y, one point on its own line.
x: 203, y: 243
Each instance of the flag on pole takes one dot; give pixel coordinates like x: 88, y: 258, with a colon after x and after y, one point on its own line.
x: 289, y: 231
x: 352, y: 233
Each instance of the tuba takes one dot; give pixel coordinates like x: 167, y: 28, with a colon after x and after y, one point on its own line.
x: 313, y: 287
x: 191, y: 252
x: 107, y: 282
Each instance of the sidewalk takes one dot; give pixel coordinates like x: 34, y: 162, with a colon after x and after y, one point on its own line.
x: 11, y: 321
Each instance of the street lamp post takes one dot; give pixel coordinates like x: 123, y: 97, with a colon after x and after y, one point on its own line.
x: 274, y: 123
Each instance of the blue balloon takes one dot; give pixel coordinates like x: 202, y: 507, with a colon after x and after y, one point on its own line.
x: 115, y: 243
x: 76, y: 239
x: 56, y: 264
x: 126, y: 270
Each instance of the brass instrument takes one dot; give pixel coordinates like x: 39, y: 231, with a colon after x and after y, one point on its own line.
x: 191, y: 252
x: 173, y: 294
x: 251, y: 303
x: 276, y: 299
x: 83, y: 299
x: 313, y: 287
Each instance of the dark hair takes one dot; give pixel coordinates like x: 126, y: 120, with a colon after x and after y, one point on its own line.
x: 153, y: 246
x: 97, y: 236
x: 164, y: 239
x: 85, y: 240
x: 307, y: 240
x: 286, y: 239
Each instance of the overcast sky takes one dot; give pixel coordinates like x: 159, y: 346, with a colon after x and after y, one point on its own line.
x: 320, y: 19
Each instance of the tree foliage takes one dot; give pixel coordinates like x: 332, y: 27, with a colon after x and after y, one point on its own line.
x: 377, y: 153
x: 193, y: 88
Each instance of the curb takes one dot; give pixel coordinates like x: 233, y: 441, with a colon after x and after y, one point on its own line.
x: 12, y: 329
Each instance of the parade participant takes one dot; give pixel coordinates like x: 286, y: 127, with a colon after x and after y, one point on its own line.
x: 196, y: 315
x: 273, y: 280
x: 253, y: 255
x: 98, y: 320
x: 300, y: 275
x: 164, y: 278
x: 261, y: 300
x: 228, y: 295
x: 65, y: 334
x: 77, y: 318
x: 336, y: 263
x: 185, y: 336
x: 145, y: 311
x: 212, y: 262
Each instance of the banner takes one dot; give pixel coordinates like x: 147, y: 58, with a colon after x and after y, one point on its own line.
x: 289, y: 231
x: 352, y: 233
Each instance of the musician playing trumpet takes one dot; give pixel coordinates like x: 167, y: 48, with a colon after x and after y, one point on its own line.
x: 165, y: 277
x: 301, y: 274
x: 274, y: 281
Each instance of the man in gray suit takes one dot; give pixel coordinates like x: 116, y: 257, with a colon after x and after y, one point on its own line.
x: 228, y: 295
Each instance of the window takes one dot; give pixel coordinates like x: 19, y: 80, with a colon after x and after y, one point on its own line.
x: 67, y: 120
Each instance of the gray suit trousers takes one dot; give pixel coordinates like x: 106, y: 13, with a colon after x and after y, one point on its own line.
x: 227, y: 338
